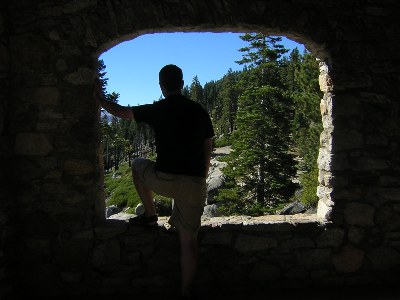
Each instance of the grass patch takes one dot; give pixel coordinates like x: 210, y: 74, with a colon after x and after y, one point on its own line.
x: 121, y: 192
x: 119, y: 188
x: 222, y: 141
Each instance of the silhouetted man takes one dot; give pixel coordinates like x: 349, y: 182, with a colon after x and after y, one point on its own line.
x: 183, y: 136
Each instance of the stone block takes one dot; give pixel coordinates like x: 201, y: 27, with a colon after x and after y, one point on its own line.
x: 110, y: 229
x: 325, y: 82
x: 46, y: 95
x: 296, y: 243
x: 359, y: 214
x: 324, y: 159
x: 35, y: 144
x: 116, y: 282
x: 356, y: 234
x: 40, y: 246
x: 327, y: 123
x: 325, y: 140
x: 297, y: 273
x: 132, y: 258
x: 106, y: 255
x: 272, y: 224
x: 343, y: 193
x: 388, y: 181
x: 264, y: 271
x: 388, y: 219
x: 346, y: 140
x: 376, y: 140
x: 61, y: 65
x: 74, y: 6
x: 346, y: 105
x: 78, y: 167
x: 313, y: 257
x: 4, y: 61
x: 331, y: 237
x: 384, y: 258
x: 372, y: 163
x: 71, y: 277
x: 1, y: 24
x: 82, y: 76
x: 349, y: 259
x: 72, y: 255
x: 217, y: 238
x: 389, y: 194
x: 250, y: 243
x: 340, y: 162
x: 324, y: 193
x: 324, y: 210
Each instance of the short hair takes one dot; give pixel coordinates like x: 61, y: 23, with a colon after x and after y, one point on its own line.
x: 171, y: 77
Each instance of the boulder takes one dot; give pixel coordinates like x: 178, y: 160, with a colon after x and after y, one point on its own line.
x: 293, y: 208
x: 112, y: 210
x: 211, y: 211
x: 139, y: 210
x: 215, y: 179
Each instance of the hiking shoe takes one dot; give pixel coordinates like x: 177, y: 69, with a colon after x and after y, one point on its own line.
x: 142, y: 220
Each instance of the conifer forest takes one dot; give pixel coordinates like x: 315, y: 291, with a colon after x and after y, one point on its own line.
x: 267, y: 113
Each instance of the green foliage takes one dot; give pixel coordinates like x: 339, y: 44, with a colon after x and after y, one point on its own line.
x: 260, y: 167
x: 222, y: 141
x: 163, y: 205
x: 262, y: 49
x: 307, y: 125
x: 309, y: 183
x: 120, y: 189
x: 260, y: 163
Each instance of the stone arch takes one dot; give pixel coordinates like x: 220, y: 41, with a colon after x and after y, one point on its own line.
x: 299, y: 34
x: 326, y: 87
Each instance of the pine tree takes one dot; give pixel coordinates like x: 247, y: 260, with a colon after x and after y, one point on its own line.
x: 229, y: 95
x: 261, y: 164
x: 196, y: 92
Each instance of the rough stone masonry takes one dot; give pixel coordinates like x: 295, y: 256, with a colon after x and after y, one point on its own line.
x: 54, y: 239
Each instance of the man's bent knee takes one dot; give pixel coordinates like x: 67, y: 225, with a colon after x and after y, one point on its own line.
x: 136, y: 164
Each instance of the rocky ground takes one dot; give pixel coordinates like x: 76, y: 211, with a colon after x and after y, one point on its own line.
x: 215, y: 180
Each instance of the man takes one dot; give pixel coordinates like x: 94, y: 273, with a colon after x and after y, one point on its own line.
x: 183, y: 136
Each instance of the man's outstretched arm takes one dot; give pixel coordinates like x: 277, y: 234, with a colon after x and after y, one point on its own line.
x: 115, y: 109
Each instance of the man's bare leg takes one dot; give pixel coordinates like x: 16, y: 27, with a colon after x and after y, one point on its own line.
x: 146, y: 195
x: 188, y: 243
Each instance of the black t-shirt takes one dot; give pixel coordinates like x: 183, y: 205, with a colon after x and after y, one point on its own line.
x: 180, y: 126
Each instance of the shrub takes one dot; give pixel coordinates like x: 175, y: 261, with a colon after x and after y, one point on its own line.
x: 309, y: 183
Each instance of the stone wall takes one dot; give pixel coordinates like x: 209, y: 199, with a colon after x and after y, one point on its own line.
x: 53, y: 232
x: 7, y: 209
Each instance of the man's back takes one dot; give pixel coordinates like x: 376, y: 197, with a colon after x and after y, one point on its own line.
x: 180, y: 126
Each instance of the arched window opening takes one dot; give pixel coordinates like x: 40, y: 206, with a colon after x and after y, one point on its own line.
x: 263, y: 95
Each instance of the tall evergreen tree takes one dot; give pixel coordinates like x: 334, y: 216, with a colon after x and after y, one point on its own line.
x: 210, y: 95
x: 229, y: 95
x: 261, y: 164
x: 196, y: 92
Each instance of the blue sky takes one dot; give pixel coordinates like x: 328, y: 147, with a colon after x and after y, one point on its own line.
x: 132, y: 67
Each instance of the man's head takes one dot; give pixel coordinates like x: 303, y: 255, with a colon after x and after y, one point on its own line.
x: 171, y: 79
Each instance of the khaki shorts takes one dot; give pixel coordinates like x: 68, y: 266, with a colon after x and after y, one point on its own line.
x: 189, y: 193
